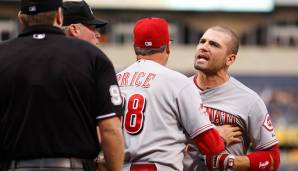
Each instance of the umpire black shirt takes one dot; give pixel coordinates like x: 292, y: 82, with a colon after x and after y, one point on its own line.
x: 52, y: 91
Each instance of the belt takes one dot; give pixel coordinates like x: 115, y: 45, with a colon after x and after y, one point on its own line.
x: 143, y: 167
x: 48, y: 163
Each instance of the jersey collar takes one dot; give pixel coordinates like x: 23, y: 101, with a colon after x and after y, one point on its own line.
x: 38, y: 29
x: 195, y: 82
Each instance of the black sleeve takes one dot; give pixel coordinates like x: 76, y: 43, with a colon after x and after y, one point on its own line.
x: 108, y: 92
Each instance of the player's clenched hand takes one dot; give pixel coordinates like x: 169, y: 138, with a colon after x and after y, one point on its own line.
x: 231, y: 134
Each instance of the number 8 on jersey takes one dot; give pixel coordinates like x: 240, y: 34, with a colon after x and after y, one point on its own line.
x: 134, y: 117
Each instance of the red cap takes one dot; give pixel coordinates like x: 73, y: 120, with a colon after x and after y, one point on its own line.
x: 151, y: 33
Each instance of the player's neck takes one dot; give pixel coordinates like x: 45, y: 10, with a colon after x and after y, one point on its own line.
x: 160, y: 58
x: 204, y: 81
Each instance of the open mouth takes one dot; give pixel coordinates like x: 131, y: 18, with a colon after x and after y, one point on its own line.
x: 202, y: 57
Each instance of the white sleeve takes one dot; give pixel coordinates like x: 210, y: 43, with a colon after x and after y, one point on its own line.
x: 261, y: 130
x: 190, y: 113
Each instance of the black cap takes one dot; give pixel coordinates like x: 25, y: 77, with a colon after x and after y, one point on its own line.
x: 32, y: 7
x: 79, y: 12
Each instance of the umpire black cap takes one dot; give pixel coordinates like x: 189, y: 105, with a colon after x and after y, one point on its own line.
x: 32, y: 7
x: 79, y: 12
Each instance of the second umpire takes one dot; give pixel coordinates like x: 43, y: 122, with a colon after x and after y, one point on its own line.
x: 54, y: 90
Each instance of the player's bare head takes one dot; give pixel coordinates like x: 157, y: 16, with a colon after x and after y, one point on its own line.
x: 151, y: 36
x: 216, y: 51
x: 234, y: 41
x: 37, y: 12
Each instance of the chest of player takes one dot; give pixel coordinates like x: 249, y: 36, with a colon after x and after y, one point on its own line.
x: 226, y: 107
x: 220, y: 117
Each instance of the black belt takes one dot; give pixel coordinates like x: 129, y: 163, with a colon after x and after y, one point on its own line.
x: 74, y: 163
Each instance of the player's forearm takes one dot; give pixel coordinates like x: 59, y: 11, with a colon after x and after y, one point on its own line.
x: 266, y: 160
x: 112, y: 143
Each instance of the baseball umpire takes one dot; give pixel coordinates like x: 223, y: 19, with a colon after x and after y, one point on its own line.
x: 54, y: 91
x: 229, y: 102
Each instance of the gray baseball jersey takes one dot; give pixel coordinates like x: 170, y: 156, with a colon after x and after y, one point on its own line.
x: 234, y: 103
x: 162, y: 109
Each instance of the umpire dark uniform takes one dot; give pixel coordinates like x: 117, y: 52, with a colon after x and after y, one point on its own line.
x: 53, y: 89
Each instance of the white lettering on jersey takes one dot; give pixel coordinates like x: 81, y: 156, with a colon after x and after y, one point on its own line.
x: 263, y: 165
x: 115, y: 95
x: 136, y: 79
x: 267, y: 123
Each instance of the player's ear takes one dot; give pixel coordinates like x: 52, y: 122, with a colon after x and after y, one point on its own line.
x: 230, y: 59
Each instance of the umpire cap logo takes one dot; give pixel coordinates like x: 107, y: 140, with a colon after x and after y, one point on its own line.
x: 32, y: 9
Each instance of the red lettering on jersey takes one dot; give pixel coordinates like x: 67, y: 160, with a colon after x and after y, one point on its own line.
x: 125, y: 77
x: 233, y: 120
x: 150, y: 77
x: 216, y: 119
x: 201, y: 106
x: 230, y: 119
x: 267, y: 123
x: 226, y: 118
x: 118, y: 76
x: 138, y: 82
x: 222, y: 116
x: 133, y: 78
x: 209, y: 111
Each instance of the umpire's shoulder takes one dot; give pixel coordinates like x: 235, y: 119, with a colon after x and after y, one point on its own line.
x: 80, y: 46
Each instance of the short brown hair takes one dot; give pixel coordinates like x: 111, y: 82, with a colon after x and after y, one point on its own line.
x: 44, y: 18
x: 235, y: 38
x: 149, y: 51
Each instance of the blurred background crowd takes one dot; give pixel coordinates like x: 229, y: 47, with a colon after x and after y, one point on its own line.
x: 267, y: 61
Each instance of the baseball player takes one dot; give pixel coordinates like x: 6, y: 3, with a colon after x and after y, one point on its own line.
x: 161, y: 106
x: 229, y: 102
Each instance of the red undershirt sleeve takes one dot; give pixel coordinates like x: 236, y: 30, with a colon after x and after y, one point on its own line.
x: 209, y: 142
